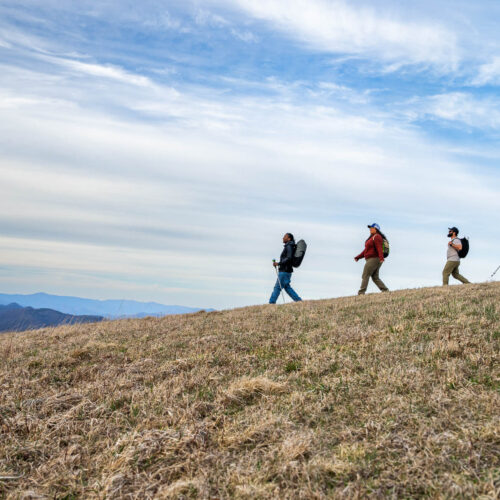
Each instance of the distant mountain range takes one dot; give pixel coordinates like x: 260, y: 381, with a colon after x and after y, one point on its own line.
x: 110, y: 309
x: 15, y: 318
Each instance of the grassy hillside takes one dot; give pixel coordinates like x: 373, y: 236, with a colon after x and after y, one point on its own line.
x: 387, y: 395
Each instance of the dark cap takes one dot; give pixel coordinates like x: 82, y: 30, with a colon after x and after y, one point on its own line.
x: 453, y: 229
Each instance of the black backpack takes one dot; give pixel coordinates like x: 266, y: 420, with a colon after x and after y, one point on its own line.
x: 465, y: 248
x: 300, y: 251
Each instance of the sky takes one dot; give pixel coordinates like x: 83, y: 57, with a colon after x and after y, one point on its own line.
x: 159, y: 150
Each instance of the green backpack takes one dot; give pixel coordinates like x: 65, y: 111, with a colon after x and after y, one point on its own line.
x: 385, y: 246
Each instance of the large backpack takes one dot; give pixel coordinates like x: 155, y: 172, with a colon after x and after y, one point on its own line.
x: 465, y: 248
x: 300, y: 251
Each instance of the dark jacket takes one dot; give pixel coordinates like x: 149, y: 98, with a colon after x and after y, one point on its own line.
x: 287, y: 257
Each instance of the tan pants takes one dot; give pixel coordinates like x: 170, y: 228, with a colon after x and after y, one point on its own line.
x: 451, y: 267
x: 371, y: 270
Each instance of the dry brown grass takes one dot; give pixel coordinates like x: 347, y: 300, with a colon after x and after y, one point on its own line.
x: 392, y: 395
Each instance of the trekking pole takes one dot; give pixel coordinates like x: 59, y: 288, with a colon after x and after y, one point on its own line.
x: 494, y: 272
x: 279, y: 281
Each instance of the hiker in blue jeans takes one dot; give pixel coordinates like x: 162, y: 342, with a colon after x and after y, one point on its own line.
x: 285, y: 271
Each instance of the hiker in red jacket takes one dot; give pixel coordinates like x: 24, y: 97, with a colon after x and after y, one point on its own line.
x: 374, y: 256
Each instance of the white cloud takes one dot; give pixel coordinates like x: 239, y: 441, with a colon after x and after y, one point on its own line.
x: 460, y: 108
x: 488, y: 74
x: 340, y: 27
x: 164, y: 21
x: 10, y: 37
x: 101, y: 71
x: 244, y: 35
x: 204, y: 17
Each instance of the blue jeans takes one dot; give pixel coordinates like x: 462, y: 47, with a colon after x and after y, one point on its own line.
x: 284, y: 279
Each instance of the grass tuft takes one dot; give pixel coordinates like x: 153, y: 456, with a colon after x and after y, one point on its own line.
x: 246, y: 390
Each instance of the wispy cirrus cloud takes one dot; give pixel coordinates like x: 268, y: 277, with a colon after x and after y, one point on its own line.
x: 341, y: 27
x: 104, y: 71
x: 488, y: 73
x: 459, y: 109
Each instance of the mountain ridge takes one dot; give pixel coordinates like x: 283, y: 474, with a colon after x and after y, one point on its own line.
x: 108, y: 308
x: 15, y: 318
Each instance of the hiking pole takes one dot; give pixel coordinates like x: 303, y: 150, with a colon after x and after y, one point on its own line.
x: 494, y: 272
x: 279, y: 281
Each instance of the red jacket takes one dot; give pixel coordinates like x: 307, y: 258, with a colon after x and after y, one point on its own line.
x: 373, y: 248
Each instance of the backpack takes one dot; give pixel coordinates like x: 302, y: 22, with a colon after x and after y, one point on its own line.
x: 385, y: 246
x: 465, y: 247
x: 300, y: 251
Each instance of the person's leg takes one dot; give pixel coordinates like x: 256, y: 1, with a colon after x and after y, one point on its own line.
x: 287, y: 278
x: 448, y: 269
x: 458, y: 276
x: 367, y: 272
x: 377, y: 280
x: 276, y: 293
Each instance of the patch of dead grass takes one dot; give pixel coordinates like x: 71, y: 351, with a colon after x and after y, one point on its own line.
x: 248, y: 389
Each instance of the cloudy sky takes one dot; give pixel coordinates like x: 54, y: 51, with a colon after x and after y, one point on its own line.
x: 158, y: 150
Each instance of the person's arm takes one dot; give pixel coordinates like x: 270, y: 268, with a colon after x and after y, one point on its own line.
x: 288, y: 256
x: 458, y: 246
x: 377, y: 240
x: 360, y: 256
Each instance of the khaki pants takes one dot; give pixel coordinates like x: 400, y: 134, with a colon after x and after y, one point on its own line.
x: 371, y: 270
x: 451, y: 267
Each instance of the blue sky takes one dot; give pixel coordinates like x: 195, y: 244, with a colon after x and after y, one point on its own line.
x: 159, y: 150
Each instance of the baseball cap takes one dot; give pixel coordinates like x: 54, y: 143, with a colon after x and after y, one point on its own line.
x: 453, y: 229
x: 375, y: 225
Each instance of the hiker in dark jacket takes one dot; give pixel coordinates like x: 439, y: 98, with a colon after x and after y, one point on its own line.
x: 285, y: 269
x: 374, y: 257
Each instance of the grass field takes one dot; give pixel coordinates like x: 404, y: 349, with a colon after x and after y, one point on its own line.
x: 382, y: 396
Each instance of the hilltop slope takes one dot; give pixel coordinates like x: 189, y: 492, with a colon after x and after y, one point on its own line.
x: 387, y: 395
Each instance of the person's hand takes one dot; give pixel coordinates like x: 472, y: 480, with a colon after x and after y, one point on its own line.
x: 276, y: 264
x: 356, y: 259
x: 381, y: 261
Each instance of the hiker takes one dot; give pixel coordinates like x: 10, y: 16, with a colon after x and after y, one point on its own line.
x: 453, y: 258
x: 374, y: 256
x: 285, y: 268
